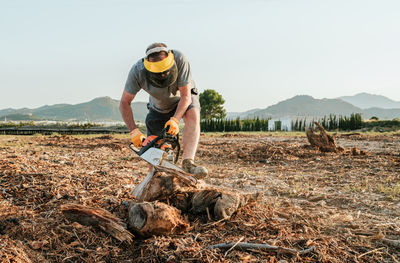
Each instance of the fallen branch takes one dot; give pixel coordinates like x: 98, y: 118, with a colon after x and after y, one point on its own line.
x: 369, y: 252
x: 98, y: 217
x: 226, y: 253
x: 245, y: 246
x: 380, y: 237
x: 391, y: 242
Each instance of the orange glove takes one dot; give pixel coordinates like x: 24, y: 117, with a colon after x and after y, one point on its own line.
x: 137, y: 137
x: 173, y: 124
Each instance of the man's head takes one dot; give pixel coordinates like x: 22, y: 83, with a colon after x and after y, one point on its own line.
x: 158, y: 58
x: 154, y: 56
x: 159, y: 62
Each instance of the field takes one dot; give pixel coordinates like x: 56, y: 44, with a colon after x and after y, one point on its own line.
x: 346, y: 204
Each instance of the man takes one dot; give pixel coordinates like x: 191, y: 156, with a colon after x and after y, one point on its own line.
x: 165, y: 74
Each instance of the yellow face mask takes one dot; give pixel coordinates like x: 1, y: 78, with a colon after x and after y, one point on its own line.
x: 160, y: 66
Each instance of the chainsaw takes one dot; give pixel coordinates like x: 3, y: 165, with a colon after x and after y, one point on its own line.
x: 159, y: 152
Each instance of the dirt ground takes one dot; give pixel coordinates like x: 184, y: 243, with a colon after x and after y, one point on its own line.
x: 346, y: 205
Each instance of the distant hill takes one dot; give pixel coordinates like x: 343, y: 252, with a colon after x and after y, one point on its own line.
x: 234, y: 115
x: 20, y: 117
x: 366, y: 100
x: 8, y: 111
x: 98, y: 109
x: 383, y: 114
x: 304, y: 105
x: 107, y: 109
x: 307, y: 106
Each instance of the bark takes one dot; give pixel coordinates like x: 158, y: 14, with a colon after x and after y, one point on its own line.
x: 221, y: 202
x: 157, y: 185
x: 156, y: 218
x: 97, y: 217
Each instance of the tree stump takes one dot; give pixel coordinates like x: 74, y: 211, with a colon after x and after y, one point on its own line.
x: 156, y: 218
x: 161, y: 199
x: 322, y: 140
x: 166, y: 196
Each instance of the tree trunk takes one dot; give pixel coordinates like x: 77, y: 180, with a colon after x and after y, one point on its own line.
x: 322, y: 140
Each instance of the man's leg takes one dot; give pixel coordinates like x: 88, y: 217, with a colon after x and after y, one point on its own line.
x: 190, y: 140
x: 191, y: 133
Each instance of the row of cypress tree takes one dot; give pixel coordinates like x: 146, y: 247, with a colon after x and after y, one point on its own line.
x: 228, y: 125
x: 331, y: 122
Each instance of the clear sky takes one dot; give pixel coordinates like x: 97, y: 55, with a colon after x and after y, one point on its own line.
x: 255, y: 53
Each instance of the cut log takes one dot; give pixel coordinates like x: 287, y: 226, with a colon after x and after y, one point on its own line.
x: 137, y: 192
x: 322, y: 140
x: 156, y: 218
x: 228, y: 204
x: 97, y: 217
x: 165, y: 186
x: 156, y: 185
x: 203, y: 200
x: 222, y: 202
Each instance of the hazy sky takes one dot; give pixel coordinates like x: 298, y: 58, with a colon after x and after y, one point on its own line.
x: 253, y: 52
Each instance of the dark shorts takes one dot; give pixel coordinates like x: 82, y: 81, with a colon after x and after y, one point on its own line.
x: 155, y: 121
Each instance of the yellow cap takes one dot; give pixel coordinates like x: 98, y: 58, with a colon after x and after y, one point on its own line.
x: 160, y: 66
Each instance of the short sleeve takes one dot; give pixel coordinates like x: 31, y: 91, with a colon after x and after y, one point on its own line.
x: 184, y: 74
x: 132, y: 84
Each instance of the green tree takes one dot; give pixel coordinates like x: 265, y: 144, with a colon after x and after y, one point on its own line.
x: 211, y: 105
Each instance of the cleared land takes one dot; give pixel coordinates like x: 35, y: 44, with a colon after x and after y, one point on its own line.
x: 347, y: 205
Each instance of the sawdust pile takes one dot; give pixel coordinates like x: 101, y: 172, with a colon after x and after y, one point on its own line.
x: 346, y: 205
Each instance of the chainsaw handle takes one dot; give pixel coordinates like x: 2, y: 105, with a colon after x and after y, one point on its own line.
x: 131, y: 146
x: 150, y: 144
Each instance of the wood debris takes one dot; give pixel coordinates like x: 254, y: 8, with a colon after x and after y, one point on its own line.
x: 335, y: 202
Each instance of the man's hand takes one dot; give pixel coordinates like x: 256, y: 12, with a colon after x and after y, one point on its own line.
x: 137, y: 137
x: 173, y: 124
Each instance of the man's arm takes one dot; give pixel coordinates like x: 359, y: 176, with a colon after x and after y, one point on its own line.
x: 184, y: 102
x: 126, y: 110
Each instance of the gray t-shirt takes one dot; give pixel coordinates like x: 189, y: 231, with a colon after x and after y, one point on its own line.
x: 162, y: 100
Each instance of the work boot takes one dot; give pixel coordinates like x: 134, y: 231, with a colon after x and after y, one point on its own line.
x: 198, y: 171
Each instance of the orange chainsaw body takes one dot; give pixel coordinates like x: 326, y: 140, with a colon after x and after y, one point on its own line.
x: 158, y: 144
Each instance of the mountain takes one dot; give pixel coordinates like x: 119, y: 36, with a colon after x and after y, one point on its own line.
x: 20, y: 117
x: 98, y: 109
x: 383, y: 114
x: 304, y: 105
x: 8, y: 111
x: 307, y: 106
x: 107, y: 109
x: 366, y: 100
x: 234, y: 115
